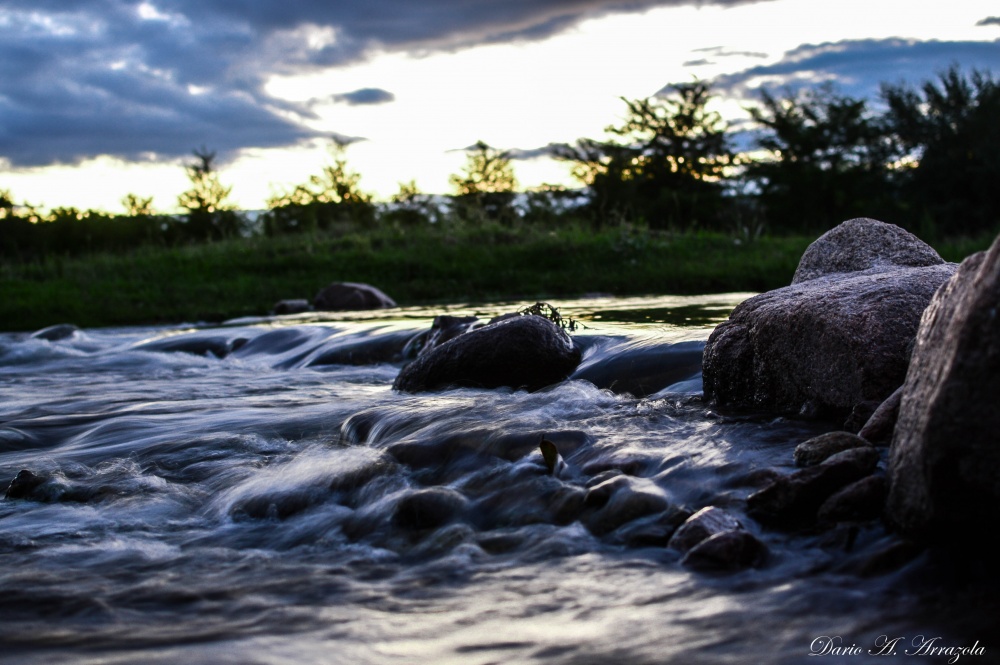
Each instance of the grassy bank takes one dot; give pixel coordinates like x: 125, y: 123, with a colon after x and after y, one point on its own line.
x: 212, y: 282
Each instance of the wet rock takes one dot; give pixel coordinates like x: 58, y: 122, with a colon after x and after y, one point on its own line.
x: 944, y: 466
x: 878, y: 430
x: 620, y: 500
x: 793, y: 501
x: 444, y: 328
x: 382, y: 348
x: 858, y: 502
x: 860, y: 414
x: 349, y: 296
x: 427, y: 508
x: 726, y: 551
x: 863, y: 244
x: 863, y: 459
x: 295, y: 306
x: 56, y: 333
x: 818, y: 449
x: 527, y: 352
x: 199, y: 344
x: 704, y: 524
x: 24, y: 485
x: 839, y: 335
x: 653, y: 531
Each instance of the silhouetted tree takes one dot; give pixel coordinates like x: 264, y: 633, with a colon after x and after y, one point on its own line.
x: 137, y: 206
x: 209, y: 216
x: 409, y: 206
x: 950, y: 131
x: 332, y: 196
x: 665, y: 164
x: 829, y: 159
x: 485, y: 187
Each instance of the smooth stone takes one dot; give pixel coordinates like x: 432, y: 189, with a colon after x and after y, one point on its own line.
x: 944, y: 463
x: 704, y: 524
x: 349, y: 296
x: 642, y: 367
x: 620, y: 500
x: 293, y: 306
x: 726, y: 551
x: 427, y: 508
x: 816, y: 450
x: 444, y: 328
x: 879, y: 428
x: 793, y: 501
x: 858, y: 502
x: 56, y: 333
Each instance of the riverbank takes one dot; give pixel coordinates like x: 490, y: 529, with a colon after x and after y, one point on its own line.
x: 245, y: 277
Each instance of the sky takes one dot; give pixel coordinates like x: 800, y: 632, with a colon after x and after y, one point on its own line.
x: 103, y: 98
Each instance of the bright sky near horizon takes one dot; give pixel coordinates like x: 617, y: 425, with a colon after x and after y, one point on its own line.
x: 109, y: 98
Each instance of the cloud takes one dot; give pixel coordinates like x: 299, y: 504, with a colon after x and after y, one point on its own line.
x: 365, y: 96
x: 131, y: 78
x: 858, y: 67
x: 989, y: 20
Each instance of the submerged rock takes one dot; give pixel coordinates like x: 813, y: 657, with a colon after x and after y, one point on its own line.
x: 840, y: 334
x: 858, y: 502
x: 527, y: 352
x: 344, y: 296
x: 56, y: 333
x: 944, y: 466
x: 24, y: 485
x: 642, y: 368
x: 620, y: 500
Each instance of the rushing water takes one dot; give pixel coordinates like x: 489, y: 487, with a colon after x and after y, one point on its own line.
x: 257, y: 493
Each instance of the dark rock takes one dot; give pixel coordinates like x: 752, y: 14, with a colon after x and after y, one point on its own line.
x: 427, y: 508
x: 23, y: 485
x: 704, y: 524
x: 296, y: 306
x: 858, y: 502
x: 863, y: 244
x: 56, y: 333
x: 197, y: 343
x: 832, y: 339
x: 343, y: 296
x: 864, y: 459
x: 816, y: 450
x: 878, y: 430
x: 792, y: 501
x: 523, y: 352
x: 620, y: 500
x: 860, y: 414
x: 444, y: 328
x: 381, y: 348
x: 944, y: 466
x: 726, y: 551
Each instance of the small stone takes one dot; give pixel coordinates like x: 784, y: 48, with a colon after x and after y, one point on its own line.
x: 24, y: 483
x: 704, y: 524
x: 858, y: 502
x: 348, y: 296
x: 726, y: 551
x: 816, y: 450
x: 295, y: 306
x: 878, y: 430
x: 793, y: 501
x: 427, y: 508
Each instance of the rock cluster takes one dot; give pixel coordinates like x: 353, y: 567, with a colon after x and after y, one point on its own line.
x: 839, y: 335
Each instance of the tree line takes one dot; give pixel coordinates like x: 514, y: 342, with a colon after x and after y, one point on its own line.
x: 926, y: 157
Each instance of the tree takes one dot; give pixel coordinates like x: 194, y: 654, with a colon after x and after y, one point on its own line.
x: 950, y: 135
x: 209, y: 216
x: 485, y: 187
x: 136, y: 206
x: 409, y: 206
x: 665, y: 164
x: 828, y: 160
x: 334, y: 195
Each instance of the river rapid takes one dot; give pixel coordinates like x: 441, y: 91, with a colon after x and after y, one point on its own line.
x: 257, y: 493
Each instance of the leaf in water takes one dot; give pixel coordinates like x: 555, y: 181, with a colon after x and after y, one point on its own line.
x: 553, y: 460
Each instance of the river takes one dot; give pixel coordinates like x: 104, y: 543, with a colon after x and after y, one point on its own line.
x: 257, y: 493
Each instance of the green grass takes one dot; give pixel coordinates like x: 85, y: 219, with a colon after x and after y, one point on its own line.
x: 244, y: 277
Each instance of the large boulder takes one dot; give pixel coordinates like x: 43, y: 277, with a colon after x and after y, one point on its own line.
x: 944, y: 464
x: 839, y: 335
x: 521, y: 352
x: 343, y: 296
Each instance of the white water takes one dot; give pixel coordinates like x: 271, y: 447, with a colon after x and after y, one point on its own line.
x: 254, y: 508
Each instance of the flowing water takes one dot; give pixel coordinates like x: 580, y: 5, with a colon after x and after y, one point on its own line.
x: 257, y: 493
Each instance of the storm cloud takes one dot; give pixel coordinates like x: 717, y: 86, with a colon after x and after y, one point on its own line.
x: 143, y: 78
x: 858, y: 67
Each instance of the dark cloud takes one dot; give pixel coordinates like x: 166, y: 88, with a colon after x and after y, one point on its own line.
x: 859, y: 67
x: 365, y: 96
x: 134, y: 77
x: 721, y: 52
x: 701, y: 62
x: 550, y: 150
x: 989, y: 20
